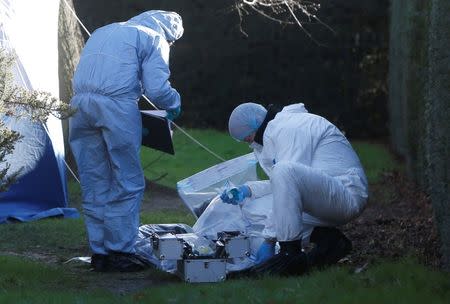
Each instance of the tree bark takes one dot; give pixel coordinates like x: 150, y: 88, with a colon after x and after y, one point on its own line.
x: 437, y: 119
x: 70, y: 44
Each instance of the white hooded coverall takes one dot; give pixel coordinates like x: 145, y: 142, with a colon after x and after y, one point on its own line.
x: 312, y: 168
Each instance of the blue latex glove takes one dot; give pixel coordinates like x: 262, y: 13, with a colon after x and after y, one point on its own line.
x: 265, y: 252
x: 235, y: 195
x: 173, y: 114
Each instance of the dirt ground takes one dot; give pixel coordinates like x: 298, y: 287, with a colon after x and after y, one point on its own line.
x: 398, y: 221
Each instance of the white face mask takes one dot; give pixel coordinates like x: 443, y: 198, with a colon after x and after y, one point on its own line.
x: 255, y: 146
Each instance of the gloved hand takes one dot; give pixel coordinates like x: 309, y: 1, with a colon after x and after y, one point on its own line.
x: 265, y: 252
x: 235, y: 195
x: 173, y: 113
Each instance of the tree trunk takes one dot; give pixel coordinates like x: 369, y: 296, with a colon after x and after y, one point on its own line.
x: 70, y: 44
x: 398, y: 63
x: 407, y: 82
x: 437, y: 119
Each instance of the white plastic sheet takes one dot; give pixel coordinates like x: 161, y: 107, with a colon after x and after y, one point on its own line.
x: 197, y: 190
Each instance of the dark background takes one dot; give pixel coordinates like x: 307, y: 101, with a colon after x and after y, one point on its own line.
x: 215, y: 66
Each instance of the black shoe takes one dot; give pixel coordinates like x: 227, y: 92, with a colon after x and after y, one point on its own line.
x: 291, y: 261
x: 99, y: 262
x: 331, y: 245
x: 125, y: 262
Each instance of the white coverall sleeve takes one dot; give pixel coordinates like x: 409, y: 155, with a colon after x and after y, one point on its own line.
x: 259, y: 188
x: 155, y: 78
x: 266, y: 157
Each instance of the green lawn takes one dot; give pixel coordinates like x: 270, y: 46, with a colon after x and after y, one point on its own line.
x: 375, y: 159
x: 404, y: 281
x: 190, y: 158
x: 67, y: 238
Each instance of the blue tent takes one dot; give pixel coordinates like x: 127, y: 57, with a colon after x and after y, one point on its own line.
x: 41, y: 189
x: 42, y: 192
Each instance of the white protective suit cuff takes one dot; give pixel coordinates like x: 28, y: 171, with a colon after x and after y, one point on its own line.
x: 259, y: 188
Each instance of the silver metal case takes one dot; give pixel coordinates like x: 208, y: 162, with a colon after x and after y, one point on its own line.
x: 202, y: 270
x: 237, y: 247
x: 168, y: 247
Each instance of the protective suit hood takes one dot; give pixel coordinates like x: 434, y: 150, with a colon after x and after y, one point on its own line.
x: 168, y: 24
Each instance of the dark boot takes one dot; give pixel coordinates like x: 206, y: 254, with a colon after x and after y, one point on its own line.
x: 290, y: 261
x: 330, y: 245
x: 99, y: 262
x: 125, y: 262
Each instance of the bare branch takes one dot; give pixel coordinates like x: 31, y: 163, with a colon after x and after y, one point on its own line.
x: 284, y: 12
x: 299, y: 23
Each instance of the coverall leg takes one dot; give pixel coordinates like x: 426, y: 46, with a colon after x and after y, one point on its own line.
x: 298, y: 188
x: 123, y: 138
x: 89, y: 150
x: 105, y: 137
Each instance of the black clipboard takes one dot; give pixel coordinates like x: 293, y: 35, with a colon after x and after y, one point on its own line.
x: 156, y: 131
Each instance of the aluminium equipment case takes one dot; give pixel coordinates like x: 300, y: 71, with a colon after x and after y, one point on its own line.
x: 167, y: 246
x: 202, y: 270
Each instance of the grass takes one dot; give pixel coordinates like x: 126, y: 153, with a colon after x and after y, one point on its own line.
x: 67, y: 238
x: 375, y: 159
x: 49, y: 236
x: 169, y: 216
x: 23, y: 281
x: 404, y: 281
x: 189, y: 158
x: 383, y: 283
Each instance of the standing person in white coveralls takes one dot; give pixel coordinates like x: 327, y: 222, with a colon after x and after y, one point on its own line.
x: 120, y: 62
x: 312, y: 168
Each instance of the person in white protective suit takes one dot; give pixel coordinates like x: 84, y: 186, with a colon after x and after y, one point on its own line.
x: 120, y: 62
x: 312, y: 168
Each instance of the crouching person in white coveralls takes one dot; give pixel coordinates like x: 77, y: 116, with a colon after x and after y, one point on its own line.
x: 312, y: 168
